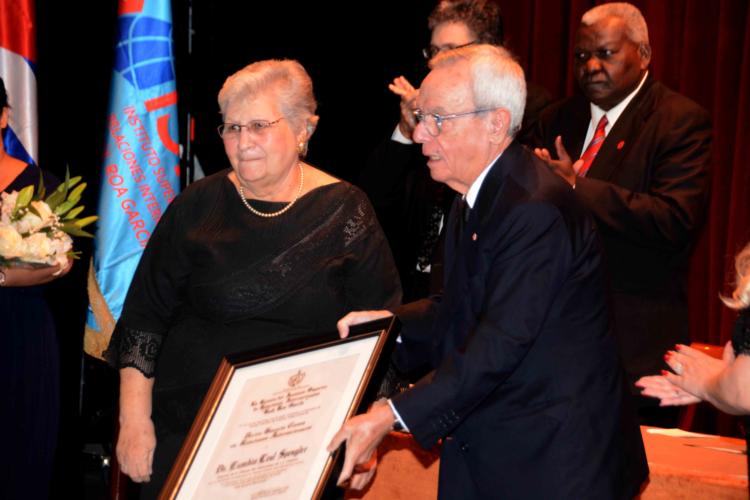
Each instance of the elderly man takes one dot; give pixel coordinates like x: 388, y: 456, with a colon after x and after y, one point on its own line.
x: 643, y: 173
x: 526, y: 390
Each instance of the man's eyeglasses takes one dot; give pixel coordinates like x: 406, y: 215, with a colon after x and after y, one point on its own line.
x: 433, y: 122
x: 433, y: 50
x: 255, y: 127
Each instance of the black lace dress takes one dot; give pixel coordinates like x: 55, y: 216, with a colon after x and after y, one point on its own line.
x: 741, y: 345
x: 217, y: 279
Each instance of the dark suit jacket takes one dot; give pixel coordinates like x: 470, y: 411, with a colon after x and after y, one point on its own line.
x: 647, y: 189
x: 527, y: 390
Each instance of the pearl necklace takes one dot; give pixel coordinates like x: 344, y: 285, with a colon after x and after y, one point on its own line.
x: 278, y: 212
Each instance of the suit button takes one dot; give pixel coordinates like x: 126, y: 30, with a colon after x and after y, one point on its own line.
x: 464, y: 447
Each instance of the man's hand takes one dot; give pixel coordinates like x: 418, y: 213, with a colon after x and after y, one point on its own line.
x: 362, y: 434
x: 357, y: 317
x: 564, y: 167
x: 402, y: 88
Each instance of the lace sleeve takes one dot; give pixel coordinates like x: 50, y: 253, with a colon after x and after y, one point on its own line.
x: 741, y: 334
x: 372, y: 280
x: 135, y: 349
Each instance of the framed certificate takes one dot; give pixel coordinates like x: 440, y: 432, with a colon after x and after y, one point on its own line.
x: 264, y: 425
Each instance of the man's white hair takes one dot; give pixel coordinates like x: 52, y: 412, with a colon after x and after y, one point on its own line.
x: 497, y: 80
x: 635, y: 25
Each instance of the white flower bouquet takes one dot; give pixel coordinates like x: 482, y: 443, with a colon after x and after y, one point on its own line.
x: 36, y: 232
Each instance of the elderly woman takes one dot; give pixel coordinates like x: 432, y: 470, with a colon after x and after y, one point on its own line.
x: 265, y: 253
x: 698, y: 377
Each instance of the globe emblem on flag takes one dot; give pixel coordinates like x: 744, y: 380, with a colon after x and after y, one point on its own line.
x: 144, y: 50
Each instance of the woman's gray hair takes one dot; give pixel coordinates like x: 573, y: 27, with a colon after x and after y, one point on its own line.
x: 287, y: 79
x: 636, y: 28
x: 497, y: 80
x: 741, y: 295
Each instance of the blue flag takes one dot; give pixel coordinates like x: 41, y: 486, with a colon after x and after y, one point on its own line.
x: 140, y: 175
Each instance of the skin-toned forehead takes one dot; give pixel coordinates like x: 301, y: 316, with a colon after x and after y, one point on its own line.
x: 446, y: 88
x: 260, y: 103
x: 452, y: 33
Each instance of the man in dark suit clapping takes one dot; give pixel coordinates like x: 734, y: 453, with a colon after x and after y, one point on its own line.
x: 526, y: 390
x: 642, y: 155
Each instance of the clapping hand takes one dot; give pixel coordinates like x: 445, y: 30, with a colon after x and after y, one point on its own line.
x: 693, y: 373
x: 402, y: 88
x: 564, y: 166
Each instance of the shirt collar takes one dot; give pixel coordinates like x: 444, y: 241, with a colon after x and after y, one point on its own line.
x: 473, y: 192
x: 614, y: 113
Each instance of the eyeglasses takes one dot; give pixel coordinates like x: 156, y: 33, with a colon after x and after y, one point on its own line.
x: 255, y: 127
x: 433, y: 50
x: 433, y: 122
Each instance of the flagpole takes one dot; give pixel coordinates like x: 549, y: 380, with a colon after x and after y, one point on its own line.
x: 186, y: 100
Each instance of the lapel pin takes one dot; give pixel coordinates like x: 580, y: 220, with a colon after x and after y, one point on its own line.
x: 474, y: 237
x: 620, y: 145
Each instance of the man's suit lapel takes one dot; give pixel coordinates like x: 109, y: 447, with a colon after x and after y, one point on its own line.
x: 451, y: 239
x: 461, y: 251
x: 578, y: 124
x: 622, y: 137
x: 454, y: 283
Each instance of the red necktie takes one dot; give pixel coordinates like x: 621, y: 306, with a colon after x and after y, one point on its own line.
x: 593, y: 147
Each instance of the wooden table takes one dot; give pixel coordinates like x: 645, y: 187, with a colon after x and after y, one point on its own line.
x: 681, y: 468
x: 694, y: 467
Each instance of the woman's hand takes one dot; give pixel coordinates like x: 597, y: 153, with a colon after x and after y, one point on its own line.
x: 657, y: 386
x: 135, y: 448
x: 694, y: 378
x: 27, y: 276
x: 137, y: 440
x: 694, y: 371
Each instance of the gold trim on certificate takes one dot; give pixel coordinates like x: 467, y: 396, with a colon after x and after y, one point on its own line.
x: 263, y: 428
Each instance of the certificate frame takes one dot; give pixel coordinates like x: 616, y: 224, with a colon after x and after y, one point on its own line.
x: 224, y: 410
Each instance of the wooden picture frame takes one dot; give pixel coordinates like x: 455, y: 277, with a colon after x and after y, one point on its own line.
x: 264, y: 425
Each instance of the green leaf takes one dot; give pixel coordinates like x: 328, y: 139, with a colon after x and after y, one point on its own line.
x: 62, y: 208
x: 73, y: 198
x: 55, y: 199
x: 74, y: 230
x: 86, y: 220
x: 61, y: 193
x: 34, y: 211
x: 74, y: 255
x: 40, y: 190
x: 23, y: 199
x: 74, y: 212
x: 77, y: 192
x: 73, y: 181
